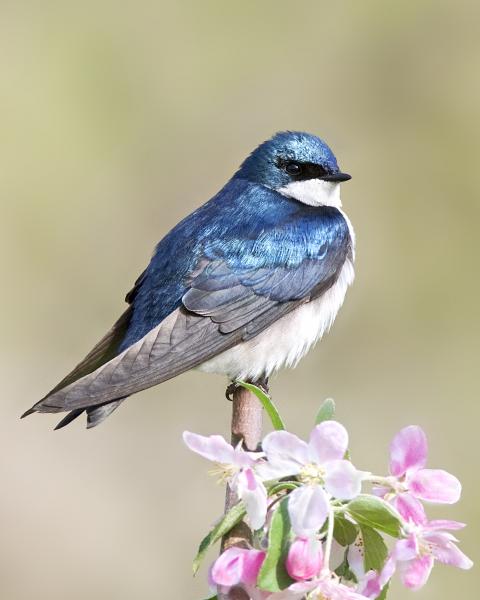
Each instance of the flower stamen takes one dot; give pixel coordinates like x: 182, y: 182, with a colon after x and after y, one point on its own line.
x: 223, y: 472
x: 312, y: 474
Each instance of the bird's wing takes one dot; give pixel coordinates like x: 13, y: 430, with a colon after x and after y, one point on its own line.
x: 227, y: 302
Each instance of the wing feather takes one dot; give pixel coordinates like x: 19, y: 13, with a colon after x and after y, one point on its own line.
x: 181, y: 342
x: 228, y: 300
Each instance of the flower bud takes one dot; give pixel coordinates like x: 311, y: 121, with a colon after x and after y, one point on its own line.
x: 305, y: 559
x: 237, y: 566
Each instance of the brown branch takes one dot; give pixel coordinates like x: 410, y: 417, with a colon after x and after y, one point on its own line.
x: 247, y: 427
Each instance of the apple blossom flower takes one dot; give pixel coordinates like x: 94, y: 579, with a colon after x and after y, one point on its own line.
x: 238, y: 567
x: 370, y: 583
x: 319, y: 465
x: 325, y: 587
x: 236, y: 467
x: 408, y: 457
x: 425, y: 542
x: 320, y: 480
x: 304, y: 559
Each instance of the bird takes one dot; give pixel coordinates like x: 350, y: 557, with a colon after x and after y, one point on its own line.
x: 243, y: 286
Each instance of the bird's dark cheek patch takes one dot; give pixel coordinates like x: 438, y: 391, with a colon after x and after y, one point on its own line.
x: 305, y: 172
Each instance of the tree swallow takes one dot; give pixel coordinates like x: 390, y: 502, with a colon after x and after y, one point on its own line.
x: 244, y: 285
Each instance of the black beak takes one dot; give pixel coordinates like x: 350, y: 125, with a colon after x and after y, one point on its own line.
x: 337, y: 177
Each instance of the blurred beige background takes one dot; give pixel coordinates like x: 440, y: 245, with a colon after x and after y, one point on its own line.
x: 119, y: 118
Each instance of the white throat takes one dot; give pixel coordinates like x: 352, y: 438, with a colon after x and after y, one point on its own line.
x: 314, y: 192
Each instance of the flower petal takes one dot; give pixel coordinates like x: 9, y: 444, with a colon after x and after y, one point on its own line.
x: 444, y: 524
x: 410, y: 509
x: 435, y: 485
x: 305, y: 559
x: 369, y: 585
x: 415, y: 573
x: 308, y: 508
x: 408, y: 450
x: 237, y: 566
x: 285, y: 452
x: 252, y: 563
x: 381, y: 491
x: 242, y: 459
x: 328, y: 441
x: 268, y: 471
x: 331, y: 588
x: 253, y: 493
x: 213, y: 448
x: 296, y: 591
x: 406, y: 549
x: 228, y: 568
x: 356, y: 558
x: 342, y: 480
x: 388, y: 570
x: 450, y: 554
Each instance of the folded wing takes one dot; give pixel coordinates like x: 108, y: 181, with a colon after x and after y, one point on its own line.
x: 223, y: 307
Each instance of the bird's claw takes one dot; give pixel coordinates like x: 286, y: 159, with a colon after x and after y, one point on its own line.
x: 231, y: 389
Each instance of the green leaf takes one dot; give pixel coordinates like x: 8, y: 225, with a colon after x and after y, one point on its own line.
x: 374, y: 547
x: 282, y: 485
x: 234, y: 516
x: 267, y: 402
x: 384, y: 592
x: 376, y: 513
x: 343, y: 570
x: 326, y: 411
x: 213, y: 598
x: 273, y: 576
x: 344, y: 531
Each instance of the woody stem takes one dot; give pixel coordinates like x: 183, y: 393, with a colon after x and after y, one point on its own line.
x: 247, y: 428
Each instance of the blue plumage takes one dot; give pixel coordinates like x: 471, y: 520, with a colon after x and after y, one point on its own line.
x: 288, y: 145
x: 248, y: 226
x: 269, y: 255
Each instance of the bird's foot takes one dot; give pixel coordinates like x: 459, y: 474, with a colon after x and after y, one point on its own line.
x: 231, y: 389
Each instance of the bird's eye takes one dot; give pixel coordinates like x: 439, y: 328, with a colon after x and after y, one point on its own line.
x: 293, y: 168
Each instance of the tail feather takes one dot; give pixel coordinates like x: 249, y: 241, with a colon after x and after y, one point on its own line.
x: 71, y: 416
x: 106, y: 349
x: 95, y: 414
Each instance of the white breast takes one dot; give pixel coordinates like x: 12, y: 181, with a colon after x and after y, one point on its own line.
x: 285, y: 342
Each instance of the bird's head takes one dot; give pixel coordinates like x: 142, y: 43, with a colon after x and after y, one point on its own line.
x: 298, y: 165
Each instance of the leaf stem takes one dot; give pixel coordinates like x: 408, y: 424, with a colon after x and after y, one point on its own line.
x: 267, y: 403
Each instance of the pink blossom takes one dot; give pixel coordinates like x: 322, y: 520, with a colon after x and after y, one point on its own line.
x: 408, y: 457
x: 237, y: 467
x: 238, y: 567
x: 370, y: 583
x: 426, y: 542
x: 305, y: 559
x: 326, y: 587
x: 319, y: 465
